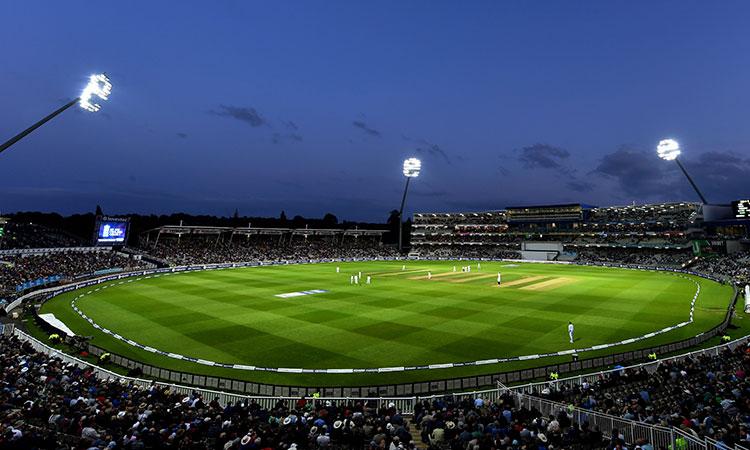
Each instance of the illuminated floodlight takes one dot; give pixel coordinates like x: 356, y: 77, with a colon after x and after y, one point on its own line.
x: 668, y: 149
x: 412, y: 166
x: 99, y: 86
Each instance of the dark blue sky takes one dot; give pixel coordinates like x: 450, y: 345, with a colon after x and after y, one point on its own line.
x: 310, y: 107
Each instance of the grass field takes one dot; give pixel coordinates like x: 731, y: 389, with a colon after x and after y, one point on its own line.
x: 401, y: 319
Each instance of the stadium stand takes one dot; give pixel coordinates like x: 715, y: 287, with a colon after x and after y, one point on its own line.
x: 735, y: 266
x: 48, y: 404
x: 202, y: 245
x: 28, y: 235
x: 16, y: 270
x: 579, y: 228
x: 705, y: 396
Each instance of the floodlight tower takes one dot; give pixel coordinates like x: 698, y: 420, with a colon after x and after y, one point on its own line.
x: 669, y: 150
x: 412, y: 166
x: 98, y: 86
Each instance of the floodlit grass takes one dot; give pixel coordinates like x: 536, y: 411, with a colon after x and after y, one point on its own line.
x: 402, y: 319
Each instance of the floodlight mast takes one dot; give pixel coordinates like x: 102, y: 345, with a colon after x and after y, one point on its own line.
x: 411, y: 169
x: 669, y: 150
x: 99, y: 86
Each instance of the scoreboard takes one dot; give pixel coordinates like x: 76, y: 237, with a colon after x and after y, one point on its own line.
x: 111, y: 230
x: 741, y: 209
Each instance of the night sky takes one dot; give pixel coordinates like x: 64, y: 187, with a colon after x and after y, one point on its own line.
x: 311, y: 107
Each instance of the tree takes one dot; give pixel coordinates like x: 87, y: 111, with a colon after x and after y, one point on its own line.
x: 330, y: 221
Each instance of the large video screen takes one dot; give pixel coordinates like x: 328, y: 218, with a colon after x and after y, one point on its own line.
x: 741, y: 209
x: 111, y: 231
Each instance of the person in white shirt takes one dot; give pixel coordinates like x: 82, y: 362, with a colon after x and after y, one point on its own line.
x: 571, y: 330
x: 368, y: 279
x: 429, y: 275
x: 351, y: 279
x: 499, y: 278
x: 337, y: 269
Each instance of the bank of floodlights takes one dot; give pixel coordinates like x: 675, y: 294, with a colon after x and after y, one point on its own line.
x: 98, y: 88
x: 412, y: 166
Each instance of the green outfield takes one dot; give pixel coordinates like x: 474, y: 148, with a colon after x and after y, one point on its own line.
x: 404, y: 318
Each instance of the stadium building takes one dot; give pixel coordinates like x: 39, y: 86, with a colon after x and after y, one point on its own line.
x: 578, y: 232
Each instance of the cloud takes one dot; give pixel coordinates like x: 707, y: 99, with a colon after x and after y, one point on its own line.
x: 363, y: 126
x: 580, y: 186
x: 549, y: 157
x: 248, y: 115
x: 428, y: 148
x: 542, y: 156
x: 279, y: 137
x: 182, y: 135
x: 721, y: 175
x: 289, y: 124
x: 636, y: 172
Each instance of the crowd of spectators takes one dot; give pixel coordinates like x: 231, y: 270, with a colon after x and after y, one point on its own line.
x: 672, y: 214
x: 735, y: 266
x: 267, y: 248
x: 18, y: 269
x: 644, y: 257
x: 27, y: 235
x: 705, y: 396
x: 498, y: 423
x: 467, y: 251
x: 47, y: 404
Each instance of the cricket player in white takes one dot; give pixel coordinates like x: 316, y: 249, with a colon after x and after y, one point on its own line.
x: 571, y: 330
x: 429, y: 275
x: 499, y: 278
x: 454, y: 268
x: 403, y: 267
x: 337, y: 269
x: 479, y: 266
x: 351, y: 279
x: 368, y: 279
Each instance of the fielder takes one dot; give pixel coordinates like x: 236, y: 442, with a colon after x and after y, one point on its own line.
x: 337, y: 269
x: 454, y: 268
x: 356, y: 281
x: 351, y: 279
x: 499, y: 279
x: 403, y: 267
x: 429, y: 275
x: 571, y: 330
x: 479, y: 266
x: 368, y: 279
